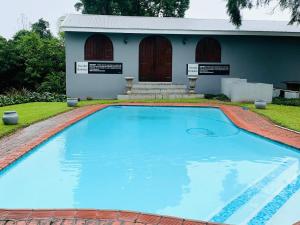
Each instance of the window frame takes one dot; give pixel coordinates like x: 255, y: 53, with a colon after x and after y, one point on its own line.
x: 203, y: 52
x: 94, y: 43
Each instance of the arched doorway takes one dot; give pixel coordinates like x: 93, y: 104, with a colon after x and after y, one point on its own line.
x: 155, y: 60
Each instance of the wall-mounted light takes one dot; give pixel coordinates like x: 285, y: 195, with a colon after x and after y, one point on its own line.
x: 125, y: 40
x: 184, y: 40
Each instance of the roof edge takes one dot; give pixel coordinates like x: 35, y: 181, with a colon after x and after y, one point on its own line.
x: 179, y: 32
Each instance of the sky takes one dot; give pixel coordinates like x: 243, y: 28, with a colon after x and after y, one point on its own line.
x: 18, y: 14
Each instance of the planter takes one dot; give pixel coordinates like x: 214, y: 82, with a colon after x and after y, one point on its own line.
x: 291, y: 94
x: 72, y: 102
x: 260, y: 104
x: 129, y: 84
x: 192, y: 84
x: 10, y: 118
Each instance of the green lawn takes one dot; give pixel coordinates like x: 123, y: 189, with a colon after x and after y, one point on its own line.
x: 30, y: 113
x: 287, y: 116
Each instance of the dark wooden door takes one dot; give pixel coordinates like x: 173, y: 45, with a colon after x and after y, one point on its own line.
x: 155, y: 60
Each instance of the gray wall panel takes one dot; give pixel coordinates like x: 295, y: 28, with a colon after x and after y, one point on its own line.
x: 259, y: 59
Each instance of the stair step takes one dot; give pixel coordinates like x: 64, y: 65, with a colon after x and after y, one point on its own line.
x: 158, y: 91
x: 284, y: 216
x: 158, y: 96
x: 248, y: 203
x: 162, y: 83
x: 159, y: 86
x: 269, y: 210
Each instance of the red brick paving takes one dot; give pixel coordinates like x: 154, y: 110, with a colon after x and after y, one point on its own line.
x: 15, y: 146
x: 88, y: 217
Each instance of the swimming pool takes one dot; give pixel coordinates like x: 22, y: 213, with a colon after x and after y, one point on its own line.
x: 189, y: 162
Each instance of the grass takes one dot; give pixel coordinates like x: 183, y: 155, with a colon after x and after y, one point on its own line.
x: 30, y: 113
x: 287, y: 116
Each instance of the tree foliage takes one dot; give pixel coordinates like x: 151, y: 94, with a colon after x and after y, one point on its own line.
x: 167, y: 8
x: 31, y: 58
x: 41, y: 27
x: 234, y: 8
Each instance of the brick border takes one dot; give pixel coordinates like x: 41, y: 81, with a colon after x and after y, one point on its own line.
x: 67, y: 217
x: 27, y: 147
x: 89, y: 217
x: 286, y: 137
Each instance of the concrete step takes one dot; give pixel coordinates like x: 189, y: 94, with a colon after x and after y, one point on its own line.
x: 158, y: 91
x: 158, y: 86
x: 158, y: 96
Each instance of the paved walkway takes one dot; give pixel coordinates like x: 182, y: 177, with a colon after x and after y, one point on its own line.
x: 15, y: 146
x: 88, y: 217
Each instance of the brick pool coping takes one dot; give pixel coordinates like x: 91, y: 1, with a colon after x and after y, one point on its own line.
x: 10, y: 152
x: 89, y: 217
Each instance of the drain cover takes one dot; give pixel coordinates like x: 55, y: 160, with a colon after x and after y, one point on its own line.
x: 201, y: 131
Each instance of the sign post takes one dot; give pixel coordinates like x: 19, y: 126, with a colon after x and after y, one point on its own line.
x: 192, y: 69
x: 98, y: 68
x: 81, y: 67
x: 211, y: 69
x: 208, y: 69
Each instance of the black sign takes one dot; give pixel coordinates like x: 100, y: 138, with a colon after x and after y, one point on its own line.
x: 105, y: 68
x: 214, y: 69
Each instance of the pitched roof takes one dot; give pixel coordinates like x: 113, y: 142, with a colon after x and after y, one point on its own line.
x: 167, y: 25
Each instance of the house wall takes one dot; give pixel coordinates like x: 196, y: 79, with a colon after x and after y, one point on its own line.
x: 258, y: 59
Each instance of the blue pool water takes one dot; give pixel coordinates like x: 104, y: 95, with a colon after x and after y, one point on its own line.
x: 187, y: 162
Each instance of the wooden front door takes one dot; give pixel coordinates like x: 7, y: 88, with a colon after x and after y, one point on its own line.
x: 155, y: 60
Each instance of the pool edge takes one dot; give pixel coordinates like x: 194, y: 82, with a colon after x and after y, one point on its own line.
x: 89, y: 110
x: 92, y: 216
x: 226, y: 109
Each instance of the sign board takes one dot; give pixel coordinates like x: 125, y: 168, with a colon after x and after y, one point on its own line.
x: 98, y: 68
x: 82, y: 67
x: 214, y: 69
x: 192, y: 69
x: 105, y: 68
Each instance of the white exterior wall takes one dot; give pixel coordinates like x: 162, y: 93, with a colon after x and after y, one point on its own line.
x: 257, y: 59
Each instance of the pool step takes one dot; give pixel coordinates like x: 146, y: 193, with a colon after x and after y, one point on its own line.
x: 247, y: 213
x: 284, y: 215
x: 244, y: 208
x: 272, y: 207
x: 158, y: 90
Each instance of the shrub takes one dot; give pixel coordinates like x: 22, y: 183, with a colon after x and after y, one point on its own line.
x: 55, y: 82
x: 24, y: 96
x: 284, y: 101
x: 219, y: 97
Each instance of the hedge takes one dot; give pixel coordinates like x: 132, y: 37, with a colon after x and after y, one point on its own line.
x: 24, y: 96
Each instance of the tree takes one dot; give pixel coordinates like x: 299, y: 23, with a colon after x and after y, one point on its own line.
x: 41, y: 57
x: 41, y: 28
x: 103, y: 7
x: 55, y: 82
x: 172, y: 8
x: 11, y: 66
x: 234, y: 8
x: 167, y: 8
x: 33, y: 59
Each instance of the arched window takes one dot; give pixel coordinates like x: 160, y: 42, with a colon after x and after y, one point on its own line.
x: 98, y: 47
x: 208, y: 50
